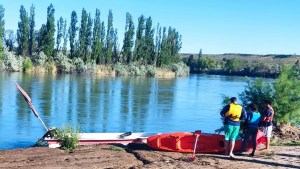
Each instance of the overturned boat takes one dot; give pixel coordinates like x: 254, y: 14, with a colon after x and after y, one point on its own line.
x: 102, y: 138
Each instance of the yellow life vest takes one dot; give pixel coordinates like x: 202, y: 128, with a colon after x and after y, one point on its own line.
x: 234, y: 112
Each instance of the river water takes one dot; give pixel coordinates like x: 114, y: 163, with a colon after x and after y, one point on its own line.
x: 110, y: 104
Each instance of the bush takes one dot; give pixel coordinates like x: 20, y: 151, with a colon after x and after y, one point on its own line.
x: 63, y: 63
x: 68, y: 137
x: 180, y: 69
x: 27, y: 64
x: 284, y: 94
x: 134, y: 69
x: 39, y: 59
x: 12, y: 62
x: 79, y: 64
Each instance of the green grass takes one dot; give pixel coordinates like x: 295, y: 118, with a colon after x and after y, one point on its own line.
x: 116, y: 148
x: 296, y: 143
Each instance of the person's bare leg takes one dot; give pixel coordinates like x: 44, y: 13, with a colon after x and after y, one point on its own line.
x: 232, y: 143
x: 226, y: 146
x: 268, y: 143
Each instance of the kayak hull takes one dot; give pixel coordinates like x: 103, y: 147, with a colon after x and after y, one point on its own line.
x: 185, y: 142
x: 105, y: 138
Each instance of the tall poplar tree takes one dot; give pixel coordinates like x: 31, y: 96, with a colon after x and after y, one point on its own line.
x: 60, y: 26
x: 42, y: 38
x: 128, y: 39
x: 65, y: 37
x: 32, y: 43
x: 138, y: 49
x: 2, y: 23
x: 97, y: 45
x: 88, y: 39
x: 109, y: 38
x: 23, y: 32
x: 72, y: 33
x: 157, y: 44
x: 115, y: 48
x: 83, y: 33
x: 149, y: 43
x: 50, y: 26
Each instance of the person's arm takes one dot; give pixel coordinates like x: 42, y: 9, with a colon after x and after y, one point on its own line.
x: 267, y: 116
x: 244, y: 114
x: 224, y: 110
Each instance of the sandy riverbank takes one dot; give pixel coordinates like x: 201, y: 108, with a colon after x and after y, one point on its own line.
x: 137, y: 156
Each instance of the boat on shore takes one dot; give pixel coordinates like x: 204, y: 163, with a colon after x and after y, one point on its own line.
x: 185, y: 142
x: 103, y: 138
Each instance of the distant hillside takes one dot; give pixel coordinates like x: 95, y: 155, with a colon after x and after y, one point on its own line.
x: 239, y: 64
x: 269, y: 58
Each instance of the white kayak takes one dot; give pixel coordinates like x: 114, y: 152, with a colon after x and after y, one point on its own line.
x: 105, y: 138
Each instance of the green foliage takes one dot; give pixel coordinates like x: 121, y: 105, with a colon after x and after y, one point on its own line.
x: 39, y: 59
x: 170, y: 46
x: 256, y: 92
x: 27, y: 64
x: 60, y: 27
x: 50, y: 30
x: 134, y: 69
x: 65, y: 37
x: 284, y: 93
x: 31, y: 39
x: 115, y: 148
x: 287, y: 96
x: 72, y: 34
x: 109, y: 38
x: 138, y: 48
x: 63, y: 63
x: 85, y: 36
x: 2, y: 23
x: 68, y: 137
x: 23, y: 32
x: 231, y: 65
x: 128, y: 39
x: 97, y: 45
x: 12, y: 62
x: 149, y: 43
x: 42, y: 38
x: 180, y: 69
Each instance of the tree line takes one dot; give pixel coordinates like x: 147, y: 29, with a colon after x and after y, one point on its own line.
x: 90, y: 39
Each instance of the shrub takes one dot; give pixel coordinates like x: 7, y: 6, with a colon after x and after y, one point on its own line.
x: 12, y: 62
x: 63, y: 63
x: 68, y: 137
x: 180, y: 69
x: 79, y: 64
x: 39, y: 59
x: 27, y: 64
x: 284, y: 94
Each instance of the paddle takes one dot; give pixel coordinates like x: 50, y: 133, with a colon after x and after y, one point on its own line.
x: 197, y: 133
x: 125, y: 134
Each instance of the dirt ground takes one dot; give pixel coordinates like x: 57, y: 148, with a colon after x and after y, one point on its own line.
x: 136, y: 156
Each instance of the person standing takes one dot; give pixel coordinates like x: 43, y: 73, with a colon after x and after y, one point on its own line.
x: 232, y: 114
x: 267, y: 122
x: 252, y: 122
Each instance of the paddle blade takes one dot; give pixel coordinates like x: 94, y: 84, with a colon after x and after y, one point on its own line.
x: 28, y: 100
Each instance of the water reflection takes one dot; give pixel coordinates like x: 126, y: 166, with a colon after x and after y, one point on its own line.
x: 110, y: 104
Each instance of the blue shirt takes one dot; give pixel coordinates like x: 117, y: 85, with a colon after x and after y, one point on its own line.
x: 253, y: 119
x: 267, y: 113
x: 228, y: 121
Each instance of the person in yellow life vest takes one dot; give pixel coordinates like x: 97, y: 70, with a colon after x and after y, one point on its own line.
x: 232, y: 114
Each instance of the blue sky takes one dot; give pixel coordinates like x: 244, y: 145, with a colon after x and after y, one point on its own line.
x: 216, y: 26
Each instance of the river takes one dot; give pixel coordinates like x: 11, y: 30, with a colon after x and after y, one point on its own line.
x: 110, y: 104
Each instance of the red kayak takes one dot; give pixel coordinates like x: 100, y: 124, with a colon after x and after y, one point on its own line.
x: 185, y: 141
